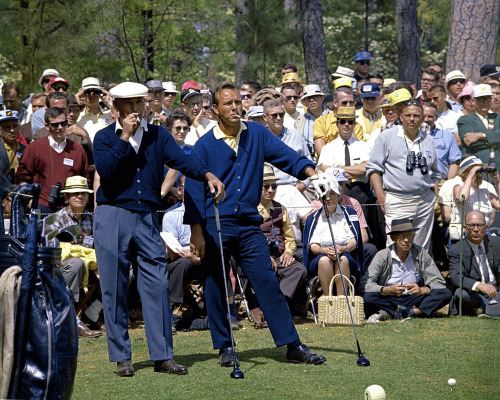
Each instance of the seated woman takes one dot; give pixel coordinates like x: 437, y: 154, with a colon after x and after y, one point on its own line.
x: 320, y: 251
x: 479, y: 195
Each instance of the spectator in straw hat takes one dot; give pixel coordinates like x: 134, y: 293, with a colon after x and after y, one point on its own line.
x: 403, y: 281
x: 454, y: 84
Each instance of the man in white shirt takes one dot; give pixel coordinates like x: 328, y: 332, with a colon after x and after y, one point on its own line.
x: 192, y: 105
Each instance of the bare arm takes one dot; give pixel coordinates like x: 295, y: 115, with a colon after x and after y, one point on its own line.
x: 376, y: 181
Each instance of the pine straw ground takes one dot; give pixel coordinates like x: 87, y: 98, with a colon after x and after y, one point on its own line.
x: 411, y: 360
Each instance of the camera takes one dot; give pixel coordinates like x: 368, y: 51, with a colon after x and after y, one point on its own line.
x: 55, y: 199
x: 487, y: 170
x: 273, y: 244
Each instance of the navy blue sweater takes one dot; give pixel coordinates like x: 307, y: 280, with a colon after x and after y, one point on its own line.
x: 242, y: 175
x: 133, y: 180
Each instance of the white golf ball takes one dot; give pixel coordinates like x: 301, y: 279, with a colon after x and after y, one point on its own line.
x: 452, y: 382
x: 375, y: 392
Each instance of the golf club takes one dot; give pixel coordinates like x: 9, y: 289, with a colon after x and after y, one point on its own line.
x: 362, y: 360
x: 237, y: 373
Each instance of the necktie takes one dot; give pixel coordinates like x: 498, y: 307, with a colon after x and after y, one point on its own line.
x: 347, y: 154
x: 483, y: 264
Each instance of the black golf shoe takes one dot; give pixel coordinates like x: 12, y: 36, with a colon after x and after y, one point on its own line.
x: 227, y: 357
x: 303, y: 355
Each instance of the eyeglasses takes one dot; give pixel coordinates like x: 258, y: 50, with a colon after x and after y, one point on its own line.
x: 56, y: 124
x: 275, y: 116
x: 88, y: 92
x: 148, y: 101
x: 475, y: 226
x: 428, y: 80
x: 346, y: 121
x: 59, y: 88
x: 483, y: 99
x: 181, y: 128
x: 288, y: 98
x: 267, y: 186
x: 198, y: 104
x: 313, y: 97
x: 455, y: 81
x: 349, y: 103
x: 364, y: 62
x: 246, y: 96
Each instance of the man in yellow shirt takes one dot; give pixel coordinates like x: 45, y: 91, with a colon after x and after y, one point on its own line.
x: 370, y: 116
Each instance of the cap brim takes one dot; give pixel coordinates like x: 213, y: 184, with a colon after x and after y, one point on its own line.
x: 77, y: 190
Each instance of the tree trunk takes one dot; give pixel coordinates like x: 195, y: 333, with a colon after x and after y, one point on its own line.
x: 313, y: 40
x: 241, y: 56
x: 148, y: 50
x: 473, y: 36
x: 407, y: 36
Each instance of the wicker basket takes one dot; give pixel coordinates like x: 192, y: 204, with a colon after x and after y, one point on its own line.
x: 333, y: 310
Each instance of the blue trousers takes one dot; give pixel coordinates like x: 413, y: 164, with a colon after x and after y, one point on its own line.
x: 121, y: 237
x: 428, y: 304
x: 248, y: 246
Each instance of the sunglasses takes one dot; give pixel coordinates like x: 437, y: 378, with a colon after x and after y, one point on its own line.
x: 274, y: 116
x: 428, y: 80
x: 455, y: 81
x: 56, y: 124
x: 267, y: 186
x: 206, y: 108
x: 88, y: 92
x: 369, y: 98
x: 346, y: 121
x: 246, y: 96
x: 45, y: 81
x: 181, y: 128
x: 288, y: 98
x: 196, y: 104
x: 74, y: 110
x: 466, y: 98
x: 413, y: 102
x: 346, y: 103
x: 364, y: 62
x: 59, y: 88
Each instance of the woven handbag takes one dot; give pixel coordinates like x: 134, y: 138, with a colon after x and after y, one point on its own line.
x: 332, y: 310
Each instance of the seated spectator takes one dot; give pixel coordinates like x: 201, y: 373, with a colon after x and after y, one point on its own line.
x: 278, y: 231
x: 319, y: 254
x: 50, y: 161
x: 403, y: 281
x: 10, y: 149
x: 479, y: 255
x: 75, y: 269
x: 478, y: 194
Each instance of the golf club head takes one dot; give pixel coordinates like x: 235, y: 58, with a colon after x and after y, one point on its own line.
x: 237, y: 373
x: 363, y: 361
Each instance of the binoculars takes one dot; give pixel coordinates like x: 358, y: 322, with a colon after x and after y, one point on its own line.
x: 416, y: 160
x: 88, y: 92
x: 487, y: 170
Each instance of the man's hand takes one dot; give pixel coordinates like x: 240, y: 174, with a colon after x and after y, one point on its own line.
x: 195, y: 260
x: 473, y: 137
x: 286, y: 259
x: 129, y: 125
x: 273, y: 263
x: 488, y: 289
x: 198, y: 119
x: 300, y: 187
x: 106, y: 99
x: 381, y: 201
x: 216, y: 186
x: 197, y: 242
x: 397, y: 289
x: 413, y: 288
x: 321, y: 185
x: 77, y: 131
x: 80, y: 97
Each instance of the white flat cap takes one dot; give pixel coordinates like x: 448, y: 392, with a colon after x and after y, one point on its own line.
x: 170, y: 87
x: 126, y: 90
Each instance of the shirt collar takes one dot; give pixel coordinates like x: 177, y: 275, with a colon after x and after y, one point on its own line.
x: 221, y: 135
x: 57, y: 147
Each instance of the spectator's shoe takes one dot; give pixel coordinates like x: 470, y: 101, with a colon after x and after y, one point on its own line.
x: 124, y: 369
x: 382, y: 315
x: 85, y: 332
x: 235, y: 325
x: 402, y: 313
x: 227, y: 357
x: 170, y: 367
x: 95, y: 326
x: 489, y: 316
x: 302, y: 355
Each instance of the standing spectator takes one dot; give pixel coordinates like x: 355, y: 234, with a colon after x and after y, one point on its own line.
x: 12, y: 99
x: 51, y: 160
x: 465, y: 98
x: 156, y: 88
x: 370, y: 116
x: 403, y: 171
x: 447, y: 118
x: 193, y: 106
x: 44, y: 80
x: 169, y: 98
x: 291, y: 99
x: 455, y: 82
x: 38, y: 118
x: 495, y: 100
x: 287, y: 68
x: 480, y: 131
x: 362, y: 65
x: 10, y: 149
x: 429, y: 78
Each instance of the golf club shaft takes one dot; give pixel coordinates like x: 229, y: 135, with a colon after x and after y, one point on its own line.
x: 224, y: 277
x: 327, y: 214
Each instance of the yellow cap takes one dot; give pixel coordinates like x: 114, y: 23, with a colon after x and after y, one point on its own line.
x: 341, y: 82
x: 398, y: 96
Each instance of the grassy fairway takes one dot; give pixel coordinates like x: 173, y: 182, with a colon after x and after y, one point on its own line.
x: 411, y: 360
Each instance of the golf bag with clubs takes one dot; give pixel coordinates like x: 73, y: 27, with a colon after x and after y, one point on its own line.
x: 45, y: 334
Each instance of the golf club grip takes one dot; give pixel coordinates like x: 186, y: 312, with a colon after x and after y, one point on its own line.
x: 35, y: 192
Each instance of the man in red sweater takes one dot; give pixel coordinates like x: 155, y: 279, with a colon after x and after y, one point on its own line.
x: 52, y: 159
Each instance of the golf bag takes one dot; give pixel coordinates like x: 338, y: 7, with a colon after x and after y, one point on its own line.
x: 46, y: 339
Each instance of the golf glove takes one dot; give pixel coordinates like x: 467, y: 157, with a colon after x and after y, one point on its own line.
x: 321, y: 185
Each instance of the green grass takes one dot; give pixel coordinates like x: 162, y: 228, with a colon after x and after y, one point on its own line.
x: 410, y: 360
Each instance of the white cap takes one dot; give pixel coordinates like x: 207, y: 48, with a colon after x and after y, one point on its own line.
x: 170, y: 87
x: 481, y: 90
x: 312, y: 90
x: 255, y: 111
x: 455, y: 74
x: 48, y: 72
x: 343, y: 72
x: 127, y: 90
x: 91, y: 83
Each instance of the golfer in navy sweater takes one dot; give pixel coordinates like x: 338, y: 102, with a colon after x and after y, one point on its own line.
x: 236, y: 152
x: 129, y: 156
